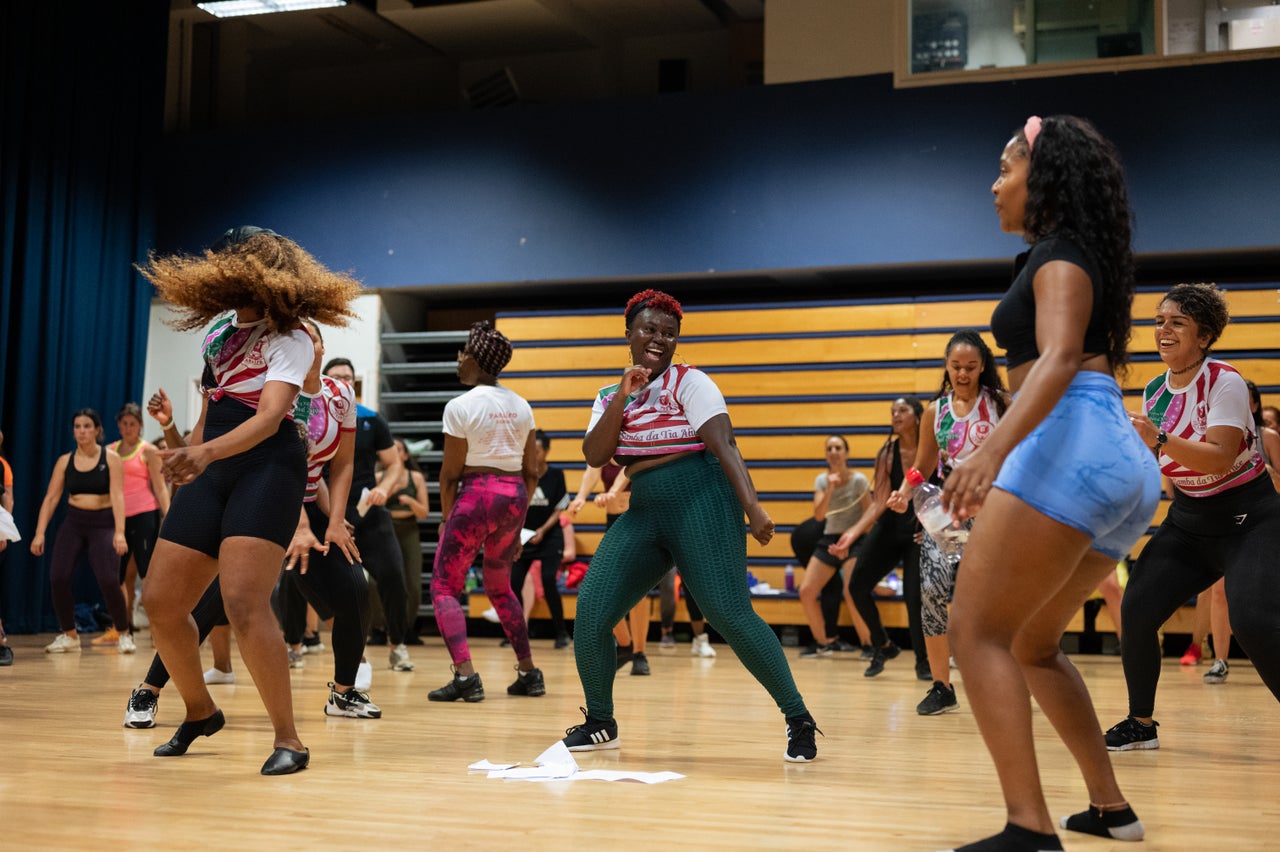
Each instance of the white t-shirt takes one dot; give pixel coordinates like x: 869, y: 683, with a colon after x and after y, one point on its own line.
x: 1217, y: 396
x: 665, y: 415
x: 495, y: 422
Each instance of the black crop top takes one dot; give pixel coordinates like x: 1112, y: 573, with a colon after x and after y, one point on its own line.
x: 95, y: 481
x: 1013, y: 322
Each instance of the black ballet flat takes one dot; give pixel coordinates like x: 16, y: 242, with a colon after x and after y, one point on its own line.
x: 286, y: 761
x: 187, y: 733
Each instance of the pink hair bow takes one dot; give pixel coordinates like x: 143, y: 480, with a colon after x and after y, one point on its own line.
x: 1031, y: 130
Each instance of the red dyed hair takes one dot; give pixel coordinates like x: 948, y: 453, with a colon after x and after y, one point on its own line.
x: 655, y: 299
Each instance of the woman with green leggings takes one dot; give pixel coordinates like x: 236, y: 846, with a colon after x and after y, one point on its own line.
x: 668, y: 425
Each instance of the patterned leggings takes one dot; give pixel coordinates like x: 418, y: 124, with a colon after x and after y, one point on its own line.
x: 489, y: 513
x: 684, y: 512
x: 937, y: 584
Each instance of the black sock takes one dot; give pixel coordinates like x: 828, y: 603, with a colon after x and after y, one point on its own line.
x: 1015, y: 838
x: 1113, y: 825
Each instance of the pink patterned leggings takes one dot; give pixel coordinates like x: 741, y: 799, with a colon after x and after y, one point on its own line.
x: 489, y: 513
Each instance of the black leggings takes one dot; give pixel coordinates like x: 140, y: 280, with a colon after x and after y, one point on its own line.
x: 140, y: 533
x: 338, y: 590
x: 890, y: 540
x: 208, y: 614
x: 1234, y: 535
x: 550, y: 550
x: 91, y: 533
x: 380, y: 551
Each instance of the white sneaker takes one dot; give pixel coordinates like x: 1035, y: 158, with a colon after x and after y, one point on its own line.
x: 490, y: 614
x: 296, y: 660
x: 64, y: 644
x: 701, y: 647
x: 140, y: 619
x: 400, y: 661
x: 126, y: 644
x: 217, y: 675
x: 364, y: 676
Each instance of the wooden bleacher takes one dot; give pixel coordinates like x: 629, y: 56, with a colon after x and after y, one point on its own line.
x: 792, y: 373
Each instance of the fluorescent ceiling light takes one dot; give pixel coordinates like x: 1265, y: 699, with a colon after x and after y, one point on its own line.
x: 235, y: 8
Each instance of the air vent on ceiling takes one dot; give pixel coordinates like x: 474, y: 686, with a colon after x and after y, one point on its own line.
x: 496, y: 90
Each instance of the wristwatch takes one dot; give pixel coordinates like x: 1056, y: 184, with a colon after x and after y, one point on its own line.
x: 1161, y: 439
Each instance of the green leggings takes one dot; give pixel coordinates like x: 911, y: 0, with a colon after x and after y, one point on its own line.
x: 684, y: 513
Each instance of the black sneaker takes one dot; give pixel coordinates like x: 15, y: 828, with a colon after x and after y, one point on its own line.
x: 6, y: 655
x: 923, y: 672
x: 1113, y: 825
x: 1132, y: 735
x: 141, y: 709
x: 592, y: 735
x: 817, y: 649
x: 353, y: 704
x: 940, y: 699
x: 377, y: 636
x: 878, y: 658
x: 528, y: 683
x: 469, y: 689
x: 801, y: 747
x: 868, y: 653
x: 844, y: 647
x: 639, y: 664
x: 562, y: 641
x: 624, y: 655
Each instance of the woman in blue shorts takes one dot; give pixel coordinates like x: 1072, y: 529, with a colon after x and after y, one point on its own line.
x: 1063, y: 480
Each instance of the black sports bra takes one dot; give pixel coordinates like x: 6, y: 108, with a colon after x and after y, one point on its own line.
x: 95, y: 481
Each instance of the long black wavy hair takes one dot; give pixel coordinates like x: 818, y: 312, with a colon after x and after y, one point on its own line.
x: 989, y: 378
x: 1076, y: 189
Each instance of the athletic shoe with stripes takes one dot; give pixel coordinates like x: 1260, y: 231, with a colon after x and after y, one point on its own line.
x: 141, y: 709
x: 801, y: 746
x: 592, y: 735
x: 353, y: 703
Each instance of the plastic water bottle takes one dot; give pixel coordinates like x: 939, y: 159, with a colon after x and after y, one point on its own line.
x: 949, y: 533
x: 789, y: 578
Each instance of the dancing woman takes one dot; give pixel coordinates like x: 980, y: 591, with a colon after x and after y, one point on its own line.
x: 968, y: 407
x: 93, y: 478
x: 689, y: 488
x: 891, y: 539
x: 244, y: 471
x: 486, y: 478
x: 332, y: 579
x: 1064, y: 485
x: 841, y: 497
x: 146, y: 499
x: 1225, y: 517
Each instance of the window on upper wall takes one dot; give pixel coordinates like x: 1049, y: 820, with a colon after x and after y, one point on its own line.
x: 950, y: 35
x: 1207, y: 26
x: 955, y: 40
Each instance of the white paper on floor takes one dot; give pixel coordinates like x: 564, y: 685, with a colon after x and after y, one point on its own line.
x: 557, y: 764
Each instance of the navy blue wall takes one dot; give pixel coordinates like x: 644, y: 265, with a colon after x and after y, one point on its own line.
x: 836, y: 173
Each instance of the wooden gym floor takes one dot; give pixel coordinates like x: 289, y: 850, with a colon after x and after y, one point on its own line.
x: 885, y: 778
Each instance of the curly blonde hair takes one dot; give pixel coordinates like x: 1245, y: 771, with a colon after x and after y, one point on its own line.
x: 264, y: 271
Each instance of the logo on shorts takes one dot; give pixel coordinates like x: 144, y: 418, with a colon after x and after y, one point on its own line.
x: 1240, y: 519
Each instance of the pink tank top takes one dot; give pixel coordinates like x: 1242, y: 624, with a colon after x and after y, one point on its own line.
x: 138, y: 497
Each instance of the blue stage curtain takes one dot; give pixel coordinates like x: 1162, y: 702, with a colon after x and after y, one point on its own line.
x: 81, y: 124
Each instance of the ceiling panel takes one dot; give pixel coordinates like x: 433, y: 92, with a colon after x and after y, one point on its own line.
x: 489, y: 28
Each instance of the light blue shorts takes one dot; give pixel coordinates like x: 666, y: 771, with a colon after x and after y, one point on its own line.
x: 1084, y: 466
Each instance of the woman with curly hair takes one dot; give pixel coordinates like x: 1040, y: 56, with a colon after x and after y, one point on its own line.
x: 1225, y: 518
x: 970, y: 403
x: 1064, y: 483
x: 669, y: 426
x: 243, y: 471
